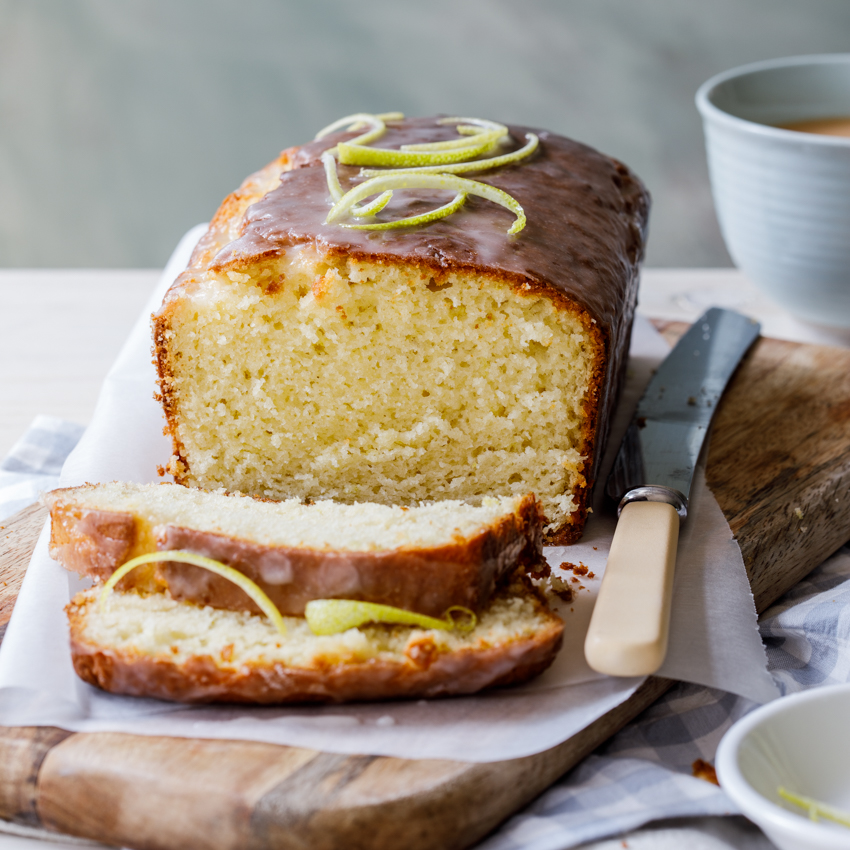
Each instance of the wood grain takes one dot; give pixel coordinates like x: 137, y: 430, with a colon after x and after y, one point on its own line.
x: 779, y: 465
x: 17, y: 540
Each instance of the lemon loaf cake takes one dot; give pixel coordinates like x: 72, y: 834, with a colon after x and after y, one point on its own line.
x: 313, y: 349
x: 154, y: 646
x: 425, y: 559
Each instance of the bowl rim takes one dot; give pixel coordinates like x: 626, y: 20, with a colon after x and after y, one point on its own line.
x: 732, y: 781
x: 714, y: 113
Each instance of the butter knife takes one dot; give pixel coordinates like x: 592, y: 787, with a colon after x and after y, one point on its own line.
x: 650, y: 483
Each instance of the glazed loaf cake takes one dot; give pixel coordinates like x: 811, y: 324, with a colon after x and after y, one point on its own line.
x: 304, y: 359
x: 424, y: 559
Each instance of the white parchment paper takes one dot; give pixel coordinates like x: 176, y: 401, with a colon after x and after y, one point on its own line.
x: 714, y: 640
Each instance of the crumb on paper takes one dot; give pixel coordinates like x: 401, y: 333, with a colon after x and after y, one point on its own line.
x: 540, y: 571
x: 561, y: 589
x: 595, y: 548
x: 580, y: 570
x: 566, y: 566
x: 703, y: 770
x: 591, y: 575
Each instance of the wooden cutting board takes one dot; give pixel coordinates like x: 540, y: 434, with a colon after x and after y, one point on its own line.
x: 779, y: 465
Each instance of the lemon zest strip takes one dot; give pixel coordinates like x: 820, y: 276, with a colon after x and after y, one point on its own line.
x: 373, y: 207
x: 461, y: 167
x: 358, y: 120
x: 334, y: 186
x: 469, y: 126
x: 440, y: 160
x: 423, y: 218
x: 419, y: 180
x: 357, y: 154
x: 479, y: 136
x: 815, y: 809
x: 335, y: 189
x: 239, y: 579
x: 332, y: 616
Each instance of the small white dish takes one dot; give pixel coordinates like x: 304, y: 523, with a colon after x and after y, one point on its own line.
x: 801, y: 743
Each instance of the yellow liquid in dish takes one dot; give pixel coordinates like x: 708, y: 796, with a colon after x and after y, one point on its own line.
x: 822, y: 126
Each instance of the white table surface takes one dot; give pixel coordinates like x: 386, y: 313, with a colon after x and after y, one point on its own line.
x: 61, y: 329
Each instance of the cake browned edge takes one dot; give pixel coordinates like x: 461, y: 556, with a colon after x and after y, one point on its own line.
x: 424, y: 674
x: 95, y: 542
x: 599, y: 404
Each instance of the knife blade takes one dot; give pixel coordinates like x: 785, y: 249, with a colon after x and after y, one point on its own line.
x: 650, y: 483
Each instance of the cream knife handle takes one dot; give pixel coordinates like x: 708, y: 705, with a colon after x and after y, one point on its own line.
x: 631, y: 619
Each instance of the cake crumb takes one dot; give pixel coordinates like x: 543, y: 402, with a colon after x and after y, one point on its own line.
x: 701, y: 769
x: 561, y: 589
x: 540, y: 571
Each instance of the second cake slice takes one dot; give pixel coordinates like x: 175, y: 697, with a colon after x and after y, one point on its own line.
x: 424, y: 559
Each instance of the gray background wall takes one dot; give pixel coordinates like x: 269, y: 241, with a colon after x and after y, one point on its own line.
x: 124, y: 122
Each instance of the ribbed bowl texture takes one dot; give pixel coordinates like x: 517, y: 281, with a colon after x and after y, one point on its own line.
x: 783, y: 197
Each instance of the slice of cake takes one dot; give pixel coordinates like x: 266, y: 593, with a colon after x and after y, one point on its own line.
x: 311, y: 360
x: 187, y: 632
x: 425, y: 559
x: 153, y: 646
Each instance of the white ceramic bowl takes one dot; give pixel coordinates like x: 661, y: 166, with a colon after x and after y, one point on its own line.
x: 800, y: 742
x: 783, y: 197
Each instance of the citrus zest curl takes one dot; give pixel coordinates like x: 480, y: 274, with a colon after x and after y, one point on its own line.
x: 181, y: 556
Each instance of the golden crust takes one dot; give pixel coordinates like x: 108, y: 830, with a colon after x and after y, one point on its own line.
x: 199, y: 679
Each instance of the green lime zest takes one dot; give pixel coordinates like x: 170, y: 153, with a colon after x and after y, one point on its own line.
x: 816, y: 810
x: 436, y: 165
x: 182, y: 556
x: 332, y: 616
x: 332, y: 177
x: 423, y: 218
x: 358, y: 154
x: 471, y: 126
x: 373, y: 207
x: 476, y: 165
x: 376, y: 123
x: 335, y: 189
x: 419, y: 180
x: 479, y: 136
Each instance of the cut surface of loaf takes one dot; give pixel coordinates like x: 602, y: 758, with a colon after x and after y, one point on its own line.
x: 153, y: 646
x: 425, y: 558
x: 448, y: 361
